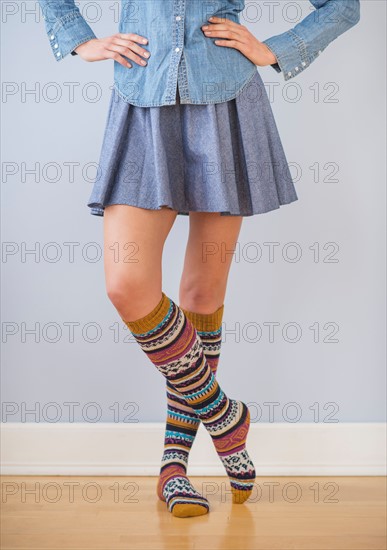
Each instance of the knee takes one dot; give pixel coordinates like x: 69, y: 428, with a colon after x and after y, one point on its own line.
x: 130, y: 296
x: 133, y: 294
x: 119, y: 291
x: 203, y: 297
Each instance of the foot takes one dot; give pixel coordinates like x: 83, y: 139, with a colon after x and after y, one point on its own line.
x: 182, y: 499
x: 231, y: 448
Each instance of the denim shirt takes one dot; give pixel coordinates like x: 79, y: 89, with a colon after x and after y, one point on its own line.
x: 181, y: 55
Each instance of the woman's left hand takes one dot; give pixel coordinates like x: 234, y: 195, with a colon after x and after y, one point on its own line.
x: 240, y: 38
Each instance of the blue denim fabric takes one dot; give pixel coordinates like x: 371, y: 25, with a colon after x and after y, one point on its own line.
x: 298, y: 47
x: 182, y: 55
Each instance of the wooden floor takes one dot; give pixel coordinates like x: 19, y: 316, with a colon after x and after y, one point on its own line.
x: 302, y: 513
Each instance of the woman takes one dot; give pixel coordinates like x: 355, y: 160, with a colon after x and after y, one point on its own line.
x: 189, y: 131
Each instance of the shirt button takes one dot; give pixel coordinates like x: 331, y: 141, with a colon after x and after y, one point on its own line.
x: 178, y: 18
x: 303, y: 63
x: 319, y: 51
x: 58, y: 54
x: 177, y: 49
x: 52, y: 37
x: 289, y: 74
x: 55, y: 46
x: 296, y: 68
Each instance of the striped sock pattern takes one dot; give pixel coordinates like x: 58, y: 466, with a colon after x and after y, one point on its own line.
x: 182, y: 422
x: 173, y: 345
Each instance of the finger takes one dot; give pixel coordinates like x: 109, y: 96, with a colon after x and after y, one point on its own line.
x: 117, y: 57
x: 228, y: 43
x: 132, y: 46
x: 235, y: 44
x: 222, y: 20
x: 132, y: 36
x: 127, y: 52
x: 225, y: 33
x: 219, y: 27
x: 211, y: 30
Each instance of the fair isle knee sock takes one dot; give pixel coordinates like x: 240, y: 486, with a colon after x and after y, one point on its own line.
x: 171, y: 342
x: 182, y: 422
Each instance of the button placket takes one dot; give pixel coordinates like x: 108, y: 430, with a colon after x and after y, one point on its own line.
x: 178, y: 34
x: 54, y: 44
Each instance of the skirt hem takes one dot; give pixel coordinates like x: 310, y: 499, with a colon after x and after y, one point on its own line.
x: 97, y: 209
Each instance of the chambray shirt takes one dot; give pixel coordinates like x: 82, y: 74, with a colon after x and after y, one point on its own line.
x: 181, y: 55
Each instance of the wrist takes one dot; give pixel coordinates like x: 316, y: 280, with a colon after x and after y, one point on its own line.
x: 271, y: 58
x: 79, y: 48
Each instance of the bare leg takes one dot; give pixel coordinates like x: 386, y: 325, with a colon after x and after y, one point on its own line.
x: 133, y: 244
x: 207, y: 262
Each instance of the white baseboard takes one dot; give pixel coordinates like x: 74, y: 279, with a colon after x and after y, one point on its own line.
x: 107, y: 449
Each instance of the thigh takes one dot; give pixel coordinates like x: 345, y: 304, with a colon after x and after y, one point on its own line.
x: 133, y: 244
x: 211, y: 243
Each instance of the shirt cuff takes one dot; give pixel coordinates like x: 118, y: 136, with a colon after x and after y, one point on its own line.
x: 67, y: 33
x: 291, y: 53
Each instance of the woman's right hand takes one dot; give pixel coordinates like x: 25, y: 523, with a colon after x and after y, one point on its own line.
x: 115, y: 47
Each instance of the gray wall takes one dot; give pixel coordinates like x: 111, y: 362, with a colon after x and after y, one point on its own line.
x: 327, y: 352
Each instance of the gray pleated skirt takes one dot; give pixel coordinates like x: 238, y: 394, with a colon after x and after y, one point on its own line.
x: 222, y: 157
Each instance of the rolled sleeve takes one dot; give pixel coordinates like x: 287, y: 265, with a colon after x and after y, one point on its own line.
x: 298, y: 47
x: 67, y: 33
x: 291, y: 54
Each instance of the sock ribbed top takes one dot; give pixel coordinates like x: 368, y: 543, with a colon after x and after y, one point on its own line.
x: 205, y: 321
x: 151, y: 319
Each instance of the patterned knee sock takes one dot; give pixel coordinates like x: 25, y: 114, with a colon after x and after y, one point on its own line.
x: 171, y: 342
x: 182, y: 421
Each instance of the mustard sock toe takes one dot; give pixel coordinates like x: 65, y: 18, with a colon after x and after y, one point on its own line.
x: 188, y: 510
x: 239, y: 496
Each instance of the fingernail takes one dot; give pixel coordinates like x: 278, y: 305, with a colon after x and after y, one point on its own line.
x: 144, y: 40
x: 210, y: 18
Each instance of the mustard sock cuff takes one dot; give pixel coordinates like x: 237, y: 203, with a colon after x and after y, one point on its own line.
x: 206, y: 322
x: 151, y: 319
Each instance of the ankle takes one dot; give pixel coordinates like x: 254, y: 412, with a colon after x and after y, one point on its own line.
x: 167, y: 473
